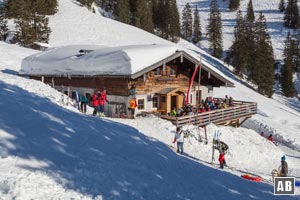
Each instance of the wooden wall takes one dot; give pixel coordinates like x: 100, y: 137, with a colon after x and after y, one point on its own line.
x: 114, y: 86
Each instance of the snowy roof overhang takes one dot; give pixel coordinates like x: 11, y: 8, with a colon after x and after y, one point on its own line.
x: 101, y: 61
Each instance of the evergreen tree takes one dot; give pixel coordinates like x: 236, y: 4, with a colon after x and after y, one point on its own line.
x: 238, y: 52
x: 296, y: 60
x: 187, y: 23
x: 86, y: 3
x: 197, y: 34
x: 291, y: 15
x: 234, y: 5
x: 250, y: 13
x: 31, y: 26
x: 123, y: 11
x: 214, y: 30
x: 166, y: 19
x: 107, y: 5
x: 263, y: 73
x: 16, y: 8
x: 281, y: 6
x: 286, y: 80
x: 174, y: 21
x: 3, y: 23
x: 143, y: 17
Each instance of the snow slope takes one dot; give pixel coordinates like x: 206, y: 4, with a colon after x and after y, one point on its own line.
x: 48, y: 151
x: 69, y: 27
x: 65, y: 155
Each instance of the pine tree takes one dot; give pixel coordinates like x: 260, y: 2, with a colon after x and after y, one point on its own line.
x: 281, y: 6
x: 16, y: 8
x: 291, y: 15
x: 123, y: 11
x: 263, y: 73
x: 286, y: 80
x: 214, y: 30
x: 171, y: 25
x: 296, y: 60
x: 234, y: 5
x: 250, y: 13
x: 187, y: 23
x: 31, y: 27
x: 143, y: 17
x: 86, y: 3
x: 238, y: 52
x: 3, y: 23
x: 197, y: 34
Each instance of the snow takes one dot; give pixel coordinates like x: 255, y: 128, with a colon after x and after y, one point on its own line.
x: 123, y: 60
x: 67, y: 155
x: 68, y: 28
x: 51, y: 151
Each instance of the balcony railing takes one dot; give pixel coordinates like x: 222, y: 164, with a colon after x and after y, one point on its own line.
x: 239, y: 110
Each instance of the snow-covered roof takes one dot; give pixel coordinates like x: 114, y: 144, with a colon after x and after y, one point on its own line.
x: 95, y: 60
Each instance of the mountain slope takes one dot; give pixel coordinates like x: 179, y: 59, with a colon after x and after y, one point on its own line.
x: 74, y: 24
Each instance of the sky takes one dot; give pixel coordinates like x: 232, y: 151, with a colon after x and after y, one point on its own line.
x: 51, y: 151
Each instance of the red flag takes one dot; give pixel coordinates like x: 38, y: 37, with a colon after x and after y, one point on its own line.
x: 191, y: 84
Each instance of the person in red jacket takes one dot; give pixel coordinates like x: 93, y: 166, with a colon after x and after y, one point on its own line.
x: 102, y: 99
x: 222, y: 159
x: 270, y: 137
x: 95, y: 103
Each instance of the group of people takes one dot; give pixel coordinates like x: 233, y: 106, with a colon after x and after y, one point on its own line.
x: 205, y: 106
x: 270, y: 137
x: 98, y: 101
x: 223, y: 148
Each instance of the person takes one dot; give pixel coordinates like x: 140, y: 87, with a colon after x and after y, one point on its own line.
x: 270, y: 137
x: 95, y: 103
x: 222, y: 158
x: 102, y: 99
x: 179, y: 138
x: 230, y: 101
x: 132, y: 106
x: 226, y: 100
x: 83, y: 101
x: 284, y: 167
x: 174, y: 113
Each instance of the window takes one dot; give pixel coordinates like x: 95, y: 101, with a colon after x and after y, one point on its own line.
x: 157, y: 71
x: 155, y: 102
x: 172, y: 70
x: 149, y: 98
x: 163, y: 99
x: 141, y: 104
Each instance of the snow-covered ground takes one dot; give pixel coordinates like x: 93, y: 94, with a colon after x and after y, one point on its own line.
x: 50, y: 151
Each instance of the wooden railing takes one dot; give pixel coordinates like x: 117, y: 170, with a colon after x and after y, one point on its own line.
x: 239, y: 110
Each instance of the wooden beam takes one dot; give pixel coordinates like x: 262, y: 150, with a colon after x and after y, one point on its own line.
x: 243, y: 121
